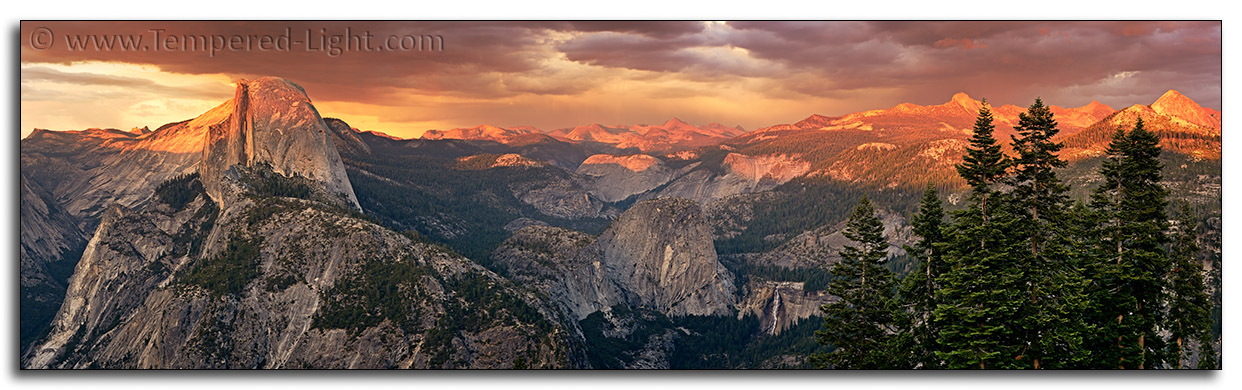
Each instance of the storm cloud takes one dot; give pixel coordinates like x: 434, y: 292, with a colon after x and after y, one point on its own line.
x: 560, y: 74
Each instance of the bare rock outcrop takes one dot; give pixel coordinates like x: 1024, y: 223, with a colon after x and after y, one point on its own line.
x: 274, y: 123
x: 85, y: 171
x: 820, y: 247
x: 780, y: 305
x: 256, y: 261
x: 614, y: 178
x: 661, y: 251
x: 51, y: 243
x: 70, y: 178
x: 279, y: 282
x: 739, y: 174
x: 657, y: 255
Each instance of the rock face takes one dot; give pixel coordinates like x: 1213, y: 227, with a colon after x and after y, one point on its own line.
x: 247, y: 264
x: 820, y: 247
x: 488, y: 161
x: 563, y: 264
x: 115, y: 275
x: 614, y: 178
x: 661, y: 251
x: 346, y: 138
x: 69, y: 178
x: 274, y: 123
x: 780, y: 305
x: 85, y: 171
x: 48, y: 234
x: 657, y: 255
x: 51, y: 243
x: 562, y: 198
x: 737, y: 174
x: 482, y: 132
x: 278, y: 284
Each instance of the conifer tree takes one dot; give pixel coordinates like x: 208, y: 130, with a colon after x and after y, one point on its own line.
x: 1189, y: 310
x: 863, y: 323
x: 1130, y: 282
x: 1084, y: 245
x: 1211, y: 338
x: 984, y: 165
x: 1050, y: 322
x: 918, y: 288
x: 977, y: 301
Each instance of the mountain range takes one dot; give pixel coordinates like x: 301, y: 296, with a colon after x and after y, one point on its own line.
x: 260, y: 235
x: 843, y: 147
x: 673, y: 135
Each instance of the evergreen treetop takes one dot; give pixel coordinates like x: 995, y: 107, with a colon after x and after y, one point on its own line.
x: 863, y: 323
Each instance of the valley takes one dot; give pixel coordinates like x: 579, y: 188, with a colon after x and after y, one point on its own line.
x: 262, y: 235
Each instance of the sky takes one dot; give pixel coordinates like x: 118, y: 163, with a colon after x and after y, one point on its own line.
x: 562, y: 74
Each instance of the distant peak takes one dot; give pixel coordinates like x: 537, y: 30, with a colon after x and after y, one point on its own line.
x: 966, y: 102
x: 1173, y: 103
x: 1094, y: 108
x: 813, y: 121
x: 675, y: 122
x: 906, y: 107
x: 1172, y: 94
x: 37, y: 132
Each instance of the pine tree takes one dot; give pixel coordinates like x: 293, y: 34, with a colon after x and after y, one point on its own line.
x: 918, y: 288
x: 977, y: 302
x: 1212, y: 337
x: 1104, y: 267
x: 984, y: 165
x: 1189, y: 310
x: 1050, y: 320
x: 863, y: 323
x: 1084, y: 252
x: 1130, y: 281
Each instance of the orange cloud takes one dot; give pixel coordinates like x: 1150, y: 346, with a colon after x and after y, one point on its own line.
x: 965, y: 43
x: 561, y: 74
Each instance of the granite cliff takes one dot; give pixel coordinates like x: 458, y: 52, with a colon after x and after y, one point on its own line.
x: 273, y: 123
x: 261, y: 260
x: 657, y: 255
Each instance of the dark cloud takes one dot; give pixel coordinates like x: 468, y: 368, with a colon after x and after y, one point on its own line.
x: 631, y: 51
x: 660, y: 30
x: 470, y: 49
x: 862, y: 64
x: 1006, y: 60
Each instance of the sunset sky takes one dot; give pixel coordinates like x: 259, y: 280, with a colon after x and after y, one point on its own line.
x: 562, y: 74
